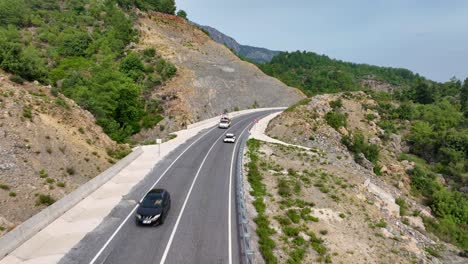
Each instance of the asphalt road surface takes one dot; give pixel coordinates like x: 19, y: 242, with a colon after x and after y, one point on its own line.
x: 201, y: 226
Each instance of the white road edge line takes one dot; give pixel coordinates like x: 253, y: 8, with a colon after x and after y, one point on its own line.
x: 229, y: 195
x: 169, y: 243
x: 136, y: 206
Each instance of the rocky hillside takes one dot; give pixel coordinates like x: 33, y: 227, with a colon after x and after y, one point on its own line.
x: 210, y: 79
x: 48, y: 147
x: 256, y: 54
x: 344, y: 194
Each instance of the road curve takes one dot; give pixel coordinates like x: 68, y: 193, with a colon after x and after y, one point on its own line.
x: 198, y: 228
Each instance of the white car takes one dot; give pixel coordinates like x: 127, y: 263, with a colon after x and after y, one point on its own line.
x: 230, y: 138
x: 225, y: 122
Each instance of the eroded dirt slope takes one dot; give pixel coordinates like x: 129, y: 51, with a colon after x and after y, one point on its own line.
x: 48, y: 146
x: 343, y: 211
x: 210, y: 78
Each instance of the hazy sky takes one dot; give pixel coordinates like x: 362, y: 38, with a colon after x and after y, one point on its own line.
x: 429, y: 37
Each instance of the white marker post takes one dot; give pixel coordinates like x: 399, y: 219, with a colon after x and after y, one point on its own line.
x: 159, y: 141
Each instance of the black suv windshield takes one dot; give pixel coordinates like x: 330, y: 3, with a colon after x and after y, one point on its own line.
x: 152, y: 200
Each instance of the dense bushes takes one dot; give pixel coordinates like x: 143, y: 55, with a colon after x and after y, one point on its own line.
x: 335, y: 119
x: 315, y: 74
x: 357, y: 144
x: 437, y: 132
x: 80, y: 48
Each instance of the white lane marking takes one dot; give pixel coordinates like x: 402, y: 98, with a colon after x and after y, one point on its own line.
x: 229, y: 196
x: 169, y: 243
x: 136, y: 206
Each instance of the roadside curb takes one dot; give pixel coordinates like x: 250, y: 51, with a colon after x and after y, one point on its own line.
x: 13, y: 239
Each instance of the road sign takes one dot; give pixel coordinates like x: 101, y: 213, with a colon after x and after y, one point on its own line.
x: 158, y: 141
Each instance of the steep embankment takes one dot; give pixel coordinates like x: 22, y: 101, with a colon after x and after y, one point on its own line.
x: 210, y: 78
x: 48, y: 147
x: 333, y: 197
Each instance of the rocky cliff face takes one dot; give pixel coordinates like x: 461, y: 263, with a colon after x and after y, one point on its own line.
x: 210, y: 78
x: 256, y: 54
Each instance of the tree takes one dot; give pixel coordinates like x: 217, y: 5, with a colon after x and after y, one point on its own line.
x: 464, y: 97
x: 13, y: 12
x: 423, y: 93
x: 181, y: 13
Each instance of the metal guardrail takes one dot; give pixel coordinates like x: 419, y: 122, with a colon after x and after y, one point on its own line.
x: 247, y: 253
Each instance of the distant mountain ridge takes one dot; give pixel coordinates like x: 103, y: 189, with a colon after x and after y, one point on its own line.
x: 256, y: 54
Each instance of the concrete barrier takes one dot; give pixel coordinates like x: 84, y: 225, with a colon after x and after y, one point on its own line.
x: 11, y: 240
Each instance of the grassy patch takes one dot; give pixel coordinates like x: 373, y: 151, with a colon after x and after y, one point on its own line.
x: 335, y: 119
x: 43, y: 199
x: 43, y: 174
x: 264, y: 232
x: 403, y: 206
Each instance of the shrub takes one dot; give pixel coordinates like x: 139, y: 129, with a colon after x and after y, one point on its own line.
x: 181, y: 13
x: 296, y: 256
x: 4, y: 187
x: 291, y: 231
x: 403, y: 206
x: 357, y: 144
x: 12, y: 194
x: 44, y: 200
x: 336, y: 120
x: 17, y: 79
x: 71, y: 171
x: 50, y: 180
x: 284, y: 190
x: 61, y: 102
x: 336, y: 104
x: 370, y: 117
x: 43, y: 174
x: 323, y: 232
x: 381, y: 224
x: 118, y: 153
x: 293, y: 215
x: 61, y: 184
x: 27, y: 112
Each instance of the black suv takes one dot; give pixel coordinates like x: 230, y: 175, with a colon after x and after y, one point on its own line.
x: 154, y: 207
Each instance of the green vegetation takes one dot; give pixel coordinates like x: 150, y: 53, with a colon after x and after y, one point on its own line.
x: 80, y: 47
x: 71, y: 171
x: 316, y: 74
x: 357, y: 144
x: 381, y: 224
x: 403, y: 206
x: 335, y: 119
x: 118, y: 153
x: 433, y: 114
x: 182, y: 14
x: 43, y: 174
x: 43, y: 199
x: 264, y: 231
x: 4, y: 187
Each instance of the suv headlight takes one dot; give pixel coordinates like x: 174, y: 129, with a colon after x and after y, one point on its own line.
x: 155, y: 217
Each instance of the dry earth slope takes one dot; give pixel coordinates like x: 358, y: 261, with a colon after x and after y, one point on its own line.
x: 347, y: 212
x: 48, y: 146
x: 210, y: 78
